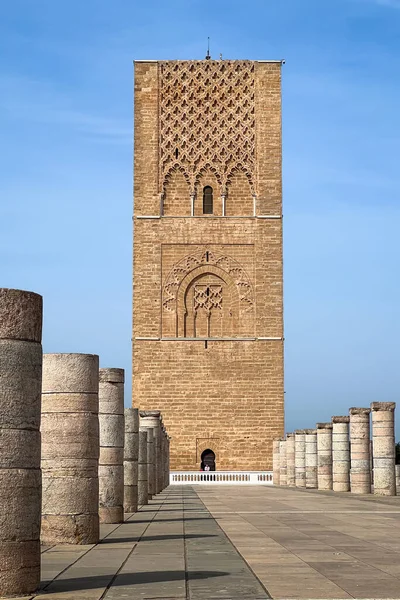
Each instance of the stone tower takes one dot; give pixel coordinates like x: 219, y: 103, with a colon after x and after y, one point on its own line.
x: 208, y: 297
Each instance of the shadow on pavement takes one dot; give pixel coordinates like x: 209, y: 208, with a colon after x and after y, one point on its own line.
x: 167, y: 520
x: 126, y: 579
x: 154, y: 538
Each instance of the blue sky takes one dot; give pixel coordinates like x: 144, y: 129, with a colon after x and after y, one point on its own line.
x: 66, y: 174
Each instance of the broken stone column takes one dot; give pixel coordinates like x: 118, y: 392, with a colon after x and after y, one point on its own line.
x: 70, y: 449
x: 131, y: 460
x: 143, y: 486
x: 20, y: 476
x: 276, y: 465
x: 290, y: 460
x: 300, y: 458
x: 398, y: 480
x: 324, y: 455
x: 360, y: 474
x: 151, y: 418
x: 311, y: 458
x: 340, y: 454
x: 282, y: 462
x: 383, y: 444
x: 112, y: 434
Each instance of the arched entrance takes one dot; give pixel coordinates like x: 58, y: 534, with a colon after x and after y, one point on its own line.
x: 207, y: 459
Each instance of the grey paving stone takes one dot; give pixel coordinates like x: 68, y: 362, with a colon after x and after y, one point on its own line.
x: 171, y: 549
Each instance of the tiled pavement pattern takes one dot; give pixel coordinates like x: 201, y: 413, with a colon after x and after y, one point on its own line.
x: 300, y: 544
x: 309, y: 544
x: 171, y: 549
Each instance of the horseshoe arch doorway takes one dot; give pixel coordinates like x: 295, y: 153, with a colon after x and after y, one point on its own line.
x: 207, y: 459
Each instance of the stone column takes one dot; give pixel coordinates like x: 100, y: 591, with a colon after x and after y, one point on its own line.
x: 276, y: 465
x: 143, y: 486
x: 162, y: 455
x: 168, y: 458
x: 311, y: 458
x: 398, y: 480
x: 300, y: 458
x: 371, y: 462
x: 160, y: 464
x: 70, y: 449
x: 282, y: 462
x: 340, y: 454
x: 360, y: 474
x: 151, y: 481
x: 151, y: 418
x: 112, y: 434
x: 384, y: 451
x: 131, y: 460
x: 20, y: 476
x: 290, y: 460
x: 324, y: 455
x: 166, y: 478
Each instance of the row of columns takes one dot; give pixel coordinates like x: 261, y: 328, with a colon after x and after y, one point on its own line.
x: 71, y: 456
x: 340, y: 455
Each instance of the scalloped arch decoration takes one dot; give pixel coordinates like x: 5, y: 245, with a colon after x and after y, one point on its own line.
x: 190, y: 262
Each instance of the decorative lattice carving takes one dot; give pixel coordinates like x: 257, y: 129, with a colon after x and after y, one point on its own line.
x: 207, y: 119
x: 207, y: 297
x: 226, y: 263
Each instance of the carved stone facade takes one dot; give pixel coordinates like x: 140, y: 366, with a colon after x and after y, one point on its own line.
x: 208, y: 327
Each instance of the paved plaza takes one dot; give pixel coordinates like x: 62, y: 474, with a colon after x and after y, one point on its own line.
x: 239, y: 543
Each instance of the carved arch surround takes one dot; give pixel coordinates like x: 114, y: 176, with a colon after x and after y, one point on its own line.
x: 226, y: 263
x: 201, y: 264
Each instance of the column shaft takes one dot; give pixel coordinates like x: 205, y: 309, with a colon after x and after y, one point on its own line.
x: 290, y: 460
x: 168, y: 458
x: 340, y: 454
x: 131, y: 453
x: 70, y: 449
x: 112, y: 434
x: 143, y: 486
x: 20, y: 476
x: 276, y: 466
x: 311, y: 458
x: 300, y: 458
x: 383, y: 445
x: 324, y: 455
x: 151, y: 472
x: 360, y: 473
x: 152, y: 418
x: 282, y: 462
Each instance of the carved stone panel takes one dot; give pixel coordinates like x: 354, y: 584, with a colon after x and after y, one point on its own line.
x: 207, y: 292
x: 206, y: 120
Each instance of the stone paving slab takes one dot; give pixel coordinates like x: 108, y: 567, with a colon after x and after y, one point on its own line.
x: 171, y: 549
x: 310, y: 544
